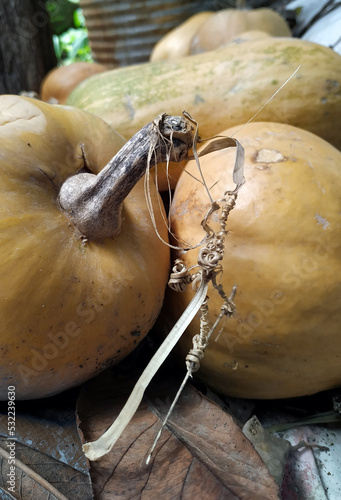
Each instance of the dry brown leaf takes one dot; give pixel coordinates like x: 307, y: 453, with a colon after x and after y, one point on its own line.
x: 4, y: 495
x: 202, y: 452
x: 49, y: 462
x: 273, y: 449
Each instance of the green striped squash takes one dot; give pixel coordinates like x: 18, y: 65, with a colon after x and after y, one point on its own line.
x: 225, y: 87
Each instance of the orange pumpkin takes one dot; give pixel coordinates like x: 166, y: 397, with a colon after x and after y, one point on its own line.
x: 82, y: 270
x: 60, y: 82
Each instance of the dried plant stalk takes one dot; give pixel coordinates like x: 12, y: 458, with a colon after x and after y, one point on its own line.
x: 97, y: 449
x: 208, y: 269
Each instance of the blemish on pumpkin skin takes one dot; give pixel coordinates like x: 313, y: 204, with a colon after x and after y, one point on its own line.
x: 198, y: 99
x: 263, y: 167
x: 135, y: 333
x: 268, y: 156
x: 129, y: 106
x: 331, y: 85
x: 322, y: 221
x: 256, y: 211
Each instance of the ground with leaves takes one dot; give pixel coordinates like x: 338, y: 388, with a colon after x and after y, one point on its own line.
x: 210, y: 448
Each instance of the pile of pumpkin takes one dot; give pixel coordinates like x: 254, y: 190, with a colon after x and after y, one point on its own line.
x: 71, y: 306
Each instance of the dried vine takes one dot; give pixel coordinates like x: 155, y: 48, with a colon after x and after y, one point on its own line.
x: 208, y: 269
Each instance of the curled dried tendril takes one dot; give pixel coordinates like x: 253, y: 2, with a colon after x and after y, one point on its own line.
x: 195, y: 354
x: 180, y: 276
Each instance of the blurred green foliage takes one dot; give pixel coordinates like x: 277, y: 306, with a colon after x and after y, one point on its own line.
x: 70, y: 36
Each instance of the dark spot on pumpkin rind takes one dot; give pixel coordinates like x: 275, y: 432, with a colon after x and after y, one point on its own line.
x: 135, y: 333
x: 331, y: 85
x: 198, y: 99
x: 102, y: 365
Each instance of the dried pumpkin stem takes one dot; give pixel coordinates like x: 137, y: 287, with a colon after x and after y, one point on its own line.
x: 93, y: 203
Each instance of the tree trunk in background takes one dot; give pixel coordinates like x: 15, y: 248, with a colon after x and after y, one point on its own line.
x: 26, y: 47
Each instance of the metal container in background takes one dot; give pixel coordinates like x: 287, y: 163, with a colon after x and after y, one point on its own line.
x: 122, y: 33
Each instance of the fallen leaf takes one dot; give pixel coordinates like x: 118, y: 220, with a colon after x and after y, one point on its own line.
x: 273, y: 449
x: 49, y: 462
x: 4, y: 495
x: 202, y: 452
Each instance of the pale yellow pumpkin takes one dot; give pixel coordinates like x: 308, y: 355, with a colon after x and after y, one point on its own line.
x: 283, y: 251
x: 249, y: 36
x: 225, y: 87
x: 177, y: 42
x: 226, y: 24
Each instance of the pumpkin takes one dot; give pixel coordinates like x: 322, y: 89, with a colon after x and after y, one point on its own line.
x: 225, y: 87
x: 283, y: 251
x: 82, y: 271
x: 226, y: 24
x: 60, y: 81
x: 176, y: 43
x: 249, y: 36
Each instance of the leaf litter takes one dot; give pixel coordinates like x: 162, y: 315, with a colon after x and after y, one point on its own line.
x: 201, y: 452
x: 49, y: 462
